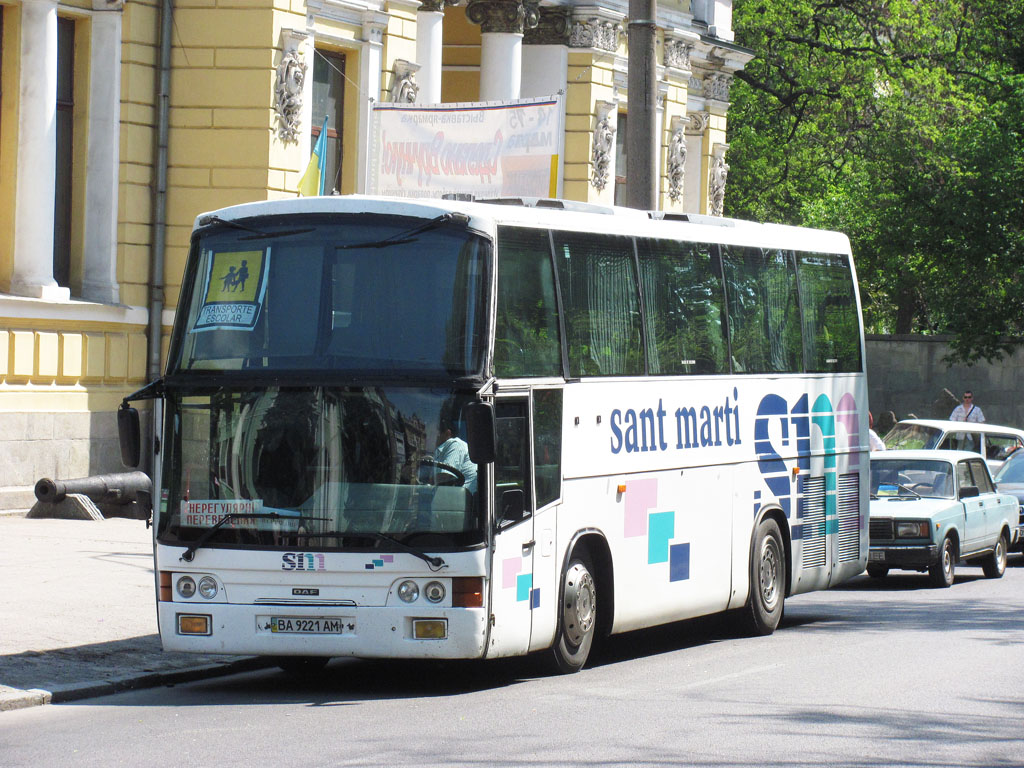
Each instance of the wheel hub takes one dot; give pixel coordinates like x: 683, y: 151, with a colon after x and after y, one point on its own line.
x: 578, y: 608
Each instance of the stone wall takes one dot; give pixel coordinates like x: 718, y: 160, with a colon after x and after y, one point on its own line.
x: 908, y: 375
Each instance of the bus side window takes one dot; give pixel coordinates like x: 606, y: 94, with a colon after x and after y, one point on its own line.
x: 512, y: 462
x: 547, y: 445
x: 527, y: 340
x: 601, y: 301
x: 829, y: 304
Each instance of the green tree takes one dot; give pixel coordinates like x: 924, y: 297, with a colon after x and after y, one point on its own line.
x: 898, y: 122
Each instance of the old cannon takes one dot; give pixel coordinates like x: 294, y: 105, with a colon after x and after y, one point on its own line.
x: 121, y: 494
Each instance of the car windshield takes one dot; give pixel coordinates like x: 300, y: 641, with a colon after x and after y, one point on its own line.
x: 1012, y: 471
x: 362, y: 294
x: 329, y: 468
x: 912, y: 437
x: 912, y: 477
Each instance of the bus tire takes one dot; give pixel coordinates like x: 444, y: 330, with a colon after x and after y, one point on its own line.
x: 304, y: 668
x: 577, y: 617
x: 763, y: 611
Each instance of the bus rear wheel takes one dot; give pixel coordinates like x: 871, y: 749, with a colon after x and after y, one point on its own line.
x: 763, y: 611
x: 577, y: 617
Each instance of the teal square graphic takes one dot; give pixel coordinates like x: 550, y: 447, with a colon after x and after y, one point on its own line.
x: 524, y: 583
x: 661, y: 526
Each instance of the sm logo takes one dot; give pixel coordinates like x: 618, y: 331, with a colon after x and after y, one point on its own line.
x: 783, y: 431
x: 302, y: 561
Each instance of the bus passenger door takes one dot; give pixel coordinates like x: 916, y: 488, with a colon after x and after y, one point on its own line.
x: 512, y: 591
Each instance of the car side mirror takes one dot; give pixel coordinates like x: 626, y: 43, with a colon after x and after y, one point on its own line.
x: 513, y: 506
x: 968, y: 491
x: 129, y: 434
x: 480, y: 432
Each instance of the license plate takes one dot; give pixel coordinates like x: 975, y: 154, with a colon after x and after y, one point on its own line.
x: 876, y: 557
x: 299, y: 625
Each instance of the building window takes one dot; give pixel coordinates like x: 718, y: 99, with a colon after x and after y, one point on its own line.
x: 65, y: 140
x: 329, y: 102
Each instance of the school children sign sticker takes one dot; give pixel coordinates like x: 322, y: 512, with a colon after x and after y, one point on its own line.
x: 236, y: 282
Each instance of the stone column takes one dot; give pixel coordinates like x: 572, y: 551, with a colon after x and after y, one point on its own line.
x: 374, y: 24
x: 37, y: 154
x: 546, y: 64
x: 99, y: 278
x: 429, y: 43
x: 501, y: 49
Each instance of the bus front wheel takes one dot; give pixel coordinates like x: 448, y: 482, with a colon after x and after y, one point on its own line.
x: 577, y: 617
x: 763, y: 610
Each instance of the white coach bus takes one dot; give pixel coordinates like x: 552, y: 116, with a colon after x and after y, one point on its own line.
x: 442, y: 429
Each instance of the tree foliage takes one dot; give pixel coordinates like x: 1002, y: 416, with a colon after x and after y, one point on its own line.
x: 901, y: 123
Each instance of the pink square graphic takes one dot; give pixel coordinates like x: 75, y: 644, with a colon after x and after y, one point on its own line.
x: 641, y: 495
x: 510, y: 568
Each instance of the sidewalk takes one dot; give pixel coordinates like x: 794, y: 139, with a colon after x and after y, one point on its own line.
x: 78, y: 613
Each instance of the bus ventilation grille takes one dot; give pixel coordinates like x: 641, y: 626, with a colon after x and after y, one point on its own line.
x: 812, y: 516
x: 849, y: 517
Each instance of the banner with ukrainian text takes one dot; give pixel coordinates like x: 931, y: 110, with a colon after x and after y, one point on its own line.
x: 484, y: 149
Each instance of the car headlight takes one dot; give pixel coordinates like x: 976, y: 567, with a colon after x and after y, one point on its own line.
x: 434, y: 591
x: 911, y: 529
x: 186, y: 587
x: 208, y: 587
x: 408, y: 591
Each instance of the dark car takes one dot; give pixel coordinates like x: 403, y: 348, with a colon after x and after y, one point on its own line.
x: 1010, y: 479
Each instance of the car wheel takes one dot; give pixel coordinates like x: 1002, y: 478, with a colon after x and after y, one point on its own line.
x: 577, y: 621
x: 877, y: 571
x: 995, y: 564
x: 942, y: 573
x: 763, y: 611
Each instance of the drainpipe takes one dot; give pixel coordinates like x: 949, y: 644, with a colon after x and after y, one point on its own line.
x: 156, y: 261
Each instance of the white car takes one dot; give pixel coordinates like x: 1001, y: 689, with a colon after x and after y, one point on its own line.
x: 992, y: 441
x: 932, y: 509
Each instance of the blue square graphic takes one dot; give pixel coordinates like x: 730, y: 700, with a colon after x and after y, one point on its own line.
x: 534, y: 598
x: 679, y: 562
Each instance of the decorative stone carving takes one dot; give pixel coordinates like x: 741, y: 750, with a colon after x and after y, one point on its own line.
x: 437, y: 6
x: 717, y: 176
x: 403, y: 82
x: 695, y: 85
x: 291, y: 76
x: 595, y: 33
x: 603, y: 148
x: 717, y: 86
x: 508, y: 16
x: 697, y: 122
x: 677, y: 158
x: 677, y: 53
x: 552, y: 28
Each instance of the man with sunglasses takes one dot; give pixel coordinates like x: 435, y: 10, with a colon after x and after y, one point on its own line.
x: 967, y: 410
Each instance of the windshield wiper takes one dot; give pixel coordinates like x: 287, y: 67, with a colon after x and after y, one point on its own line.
x: 409, y: 235
x: 189, y: 554
x: 435, y: 563
x: 258, y: 233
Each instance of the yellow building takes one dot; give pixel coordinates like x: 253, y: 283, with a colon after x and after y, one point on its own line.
x: 121, y: 120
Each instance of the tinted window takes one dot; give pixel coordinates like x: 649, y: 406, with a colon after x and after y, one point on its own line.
x: 829, y: 304
x: 764, y: 311
x: 684, y: 307
x: 601, y: 301
x: 526, y: 341
x: 547, y: 444
x: 998, y: 447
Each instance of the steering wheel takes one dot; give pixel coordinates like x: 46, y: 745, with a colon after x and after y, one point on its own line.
x: 449, y: 474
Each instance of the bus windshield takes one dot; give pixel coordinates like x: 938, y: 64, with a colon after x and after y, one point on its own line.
x: 363, y: 294
x: 324, y: 468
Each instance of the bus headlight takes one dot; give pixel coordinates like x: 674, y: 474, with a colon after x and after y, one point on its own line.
x: 186, y: 587
x: 434, y: 592
x: 208, y: 587
x: 408, y: 591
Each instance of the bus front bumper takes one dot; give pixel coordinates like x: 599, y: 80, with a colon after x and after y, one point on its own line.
x: 276, y: 630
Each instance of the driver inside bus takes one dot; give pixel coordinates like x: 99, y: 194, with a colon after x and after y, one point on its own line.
x: 453, y: 451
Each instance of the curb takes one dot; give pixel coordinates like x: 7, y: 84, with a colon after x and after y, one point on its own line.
x: 16, y: 698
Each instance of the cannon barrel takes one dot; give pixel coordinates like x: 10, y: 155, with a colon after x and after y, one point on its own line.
x: 116, y: 488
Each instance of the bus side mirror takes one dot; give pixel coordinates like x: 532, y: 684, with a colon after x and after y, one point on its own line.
x: 129, y: 434
x: 480, y: 432
x: 513, y: 506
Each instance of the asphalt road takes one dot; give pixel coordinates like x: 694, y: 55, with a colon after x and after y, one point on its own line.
x: 889, y: 673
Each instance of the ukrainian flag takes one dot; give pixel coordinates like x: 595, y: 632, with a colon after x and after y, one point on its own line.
x: 312, y: 181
